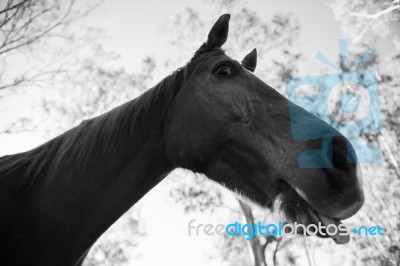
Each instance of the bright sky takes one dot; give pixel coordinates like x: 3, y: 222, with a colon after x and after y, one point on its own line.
x: 136, y: 27
x: 136, y: 31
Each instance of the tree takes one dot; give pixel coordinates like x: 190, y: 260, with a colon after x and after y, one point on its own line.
x: 361, y: 17
x: 118, y: 245
x: 364, y: 22
x: 24, y: 24
x: 32, y: 35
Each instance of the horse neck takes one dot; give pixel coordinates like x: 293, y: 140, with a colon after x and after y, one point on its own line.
x: 78, y: 199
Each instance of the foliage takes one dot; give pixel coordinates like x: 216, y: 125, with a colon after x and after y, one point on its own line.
x: 118, y: 245
x: 365, y: 20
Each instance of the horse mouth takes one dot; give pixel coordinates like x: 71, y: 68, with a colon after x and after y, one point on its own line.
x: 297, y: 209
x: 328, y: 227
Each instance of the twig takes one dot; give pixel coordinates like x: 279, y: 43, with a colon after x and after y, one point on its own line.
x: 13, y: 7
x: 377, y: 15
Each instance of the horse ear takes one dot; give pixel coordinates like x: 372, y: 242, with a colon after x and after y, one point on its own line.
x: 219, y: 32
x: 250, y: 61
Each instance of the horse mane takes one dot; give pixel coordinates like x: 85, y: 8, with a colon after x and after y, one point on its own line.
x: 99, y: 134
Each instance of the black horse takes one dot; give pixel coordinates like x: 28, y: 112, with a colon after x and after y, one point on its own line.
x: 212, y: 116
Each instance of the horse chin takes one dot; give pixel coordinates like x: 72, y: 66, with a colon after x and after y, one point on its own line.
x: 296, y: 209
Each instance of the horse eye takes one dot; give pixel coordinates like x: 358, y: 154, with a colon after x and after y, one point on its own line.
x: 224, y: 70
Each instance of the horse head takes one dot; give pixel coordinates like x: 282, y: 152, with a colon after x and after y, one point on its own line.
x: 229, y: 125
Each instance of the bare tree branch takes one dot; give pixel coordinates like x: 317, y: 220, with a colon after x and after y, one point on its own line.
x: 256, y: 247
x: 24, y: 23
x: 377, y: 15
x: 8, y: 7
x: 372, y: 18
x: 21, y: 36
